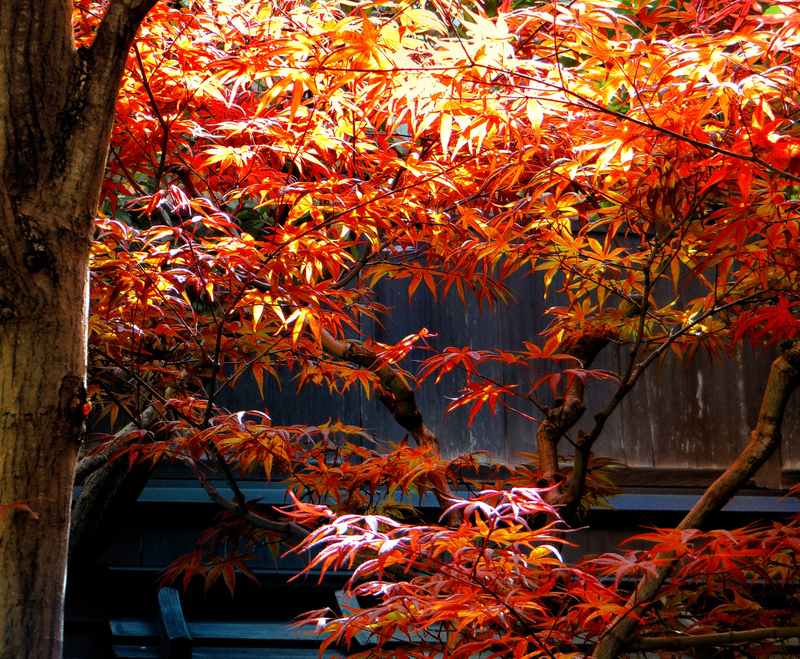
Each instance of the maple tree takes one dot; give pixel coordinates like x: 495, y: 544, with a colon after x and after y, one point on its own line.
x: 271, y: 163
x: 283, y: 160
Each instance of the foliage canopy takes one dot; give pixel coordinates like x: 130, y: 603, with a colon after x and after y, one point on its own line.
x: 273, y: 161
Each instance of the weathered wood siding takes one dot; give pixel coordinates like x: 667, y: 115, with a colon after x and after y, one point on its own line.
x: 693, y: 418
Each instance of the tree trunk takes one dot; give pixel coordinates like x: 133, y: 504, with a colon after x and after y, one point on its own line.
x: 56, y: 112
x: 42, y: 353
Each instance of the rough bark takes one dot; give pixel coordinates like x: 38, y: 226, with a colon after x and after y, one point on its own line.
x: 784, y: 378
x: 687, y: 641
x: 56, y: 112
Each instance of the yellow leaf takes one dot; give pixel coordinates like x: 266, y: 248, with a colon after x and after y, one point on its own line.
x: 258, y: 375
x: 535, y: 113
x: 424, y: 19
x: 445, y: 130
x: 297, y: 96
x: 299, y: 324
x: 675, y: 271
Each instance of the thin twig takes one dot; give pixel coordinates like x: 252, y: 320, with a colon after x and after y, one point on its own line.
x: 289, y: 529
x: 159, y: 117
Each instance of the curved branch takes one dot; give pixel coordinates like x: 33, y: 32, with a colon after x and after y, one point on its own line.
x: 100, y: 71
x: 109, y: 486
x: 398, y: 397
x: 395, y: 393
x: 574, y: 490
x: 585, y: 349
x: 355, y: 270
x: 122, y: 439
x: 118, y: 29
x: 784, y: 378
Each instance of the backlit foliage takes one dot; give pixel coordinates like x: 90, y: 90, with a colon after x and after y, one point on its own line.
x: 272, y: 161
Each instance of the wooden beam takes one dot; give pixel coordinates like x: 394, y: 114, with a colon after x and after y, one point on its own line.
x: 176, y: 641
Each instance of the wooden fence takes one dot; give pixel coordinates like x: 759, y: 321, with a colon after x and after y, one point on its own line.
x: 687, y: 423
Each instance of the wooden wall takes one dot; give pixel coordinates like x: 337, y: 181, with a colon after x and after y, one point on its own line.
x: 694, y: 420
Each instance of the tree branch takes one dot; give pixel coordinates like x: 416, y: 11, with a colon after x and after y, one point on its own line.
x: 584, y: 349
x: 85, y: 120
x: 588, y: 104
x: 289, y: 529
x: 686, y: 641
x: 109, y: 486
x: 399, y: 399
x: 395, y: 393
x: 784, y: 378
x: 122, y: 439
x: 118, y: 29
x: 573, y: 491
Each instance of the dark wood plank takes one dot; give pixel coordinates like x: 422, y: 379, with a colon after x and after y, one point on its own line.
x: 176, y: 641
x: 134, y: 630
x: 145, y: 652
x: 791, y: 476
x: 313, y: 405
x: 261, y: 633
x: 660, y: 477
x: 790, y: 441
x: 262, y: 653
x: 206, y: 632
x: 137, y: 652
x: 521, y: 320
x: 450, y: 322
x: 613, y: 442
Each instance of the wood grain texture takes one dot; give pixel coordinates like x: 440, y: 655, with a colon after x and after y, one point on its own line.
x: 676, y: 419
